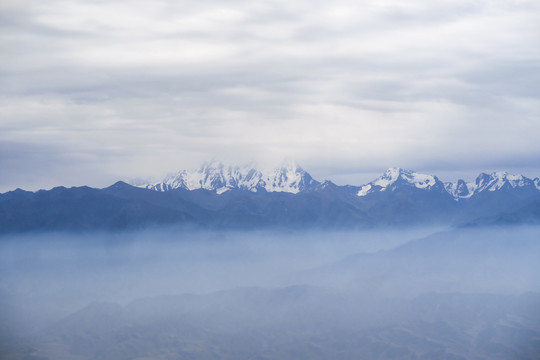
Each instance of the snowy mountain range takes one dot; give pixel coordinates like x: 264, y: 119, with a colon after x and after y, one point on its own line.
x: 495, y: 181
x: 215, y: 176
x: 291, y: 178
x: 219, y: 196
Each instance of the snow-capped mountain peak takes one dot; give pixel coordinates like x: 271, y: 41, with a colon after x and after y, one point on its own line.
x: 459, y: 189
x: 499, y: 180
x: 394, y: 177
x: 216, y: 176
x: 495, y: 181
x: 289, y: 177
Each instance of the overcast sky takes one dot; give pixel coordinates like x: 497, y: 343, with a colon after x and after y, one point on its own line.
x: 96, y: 91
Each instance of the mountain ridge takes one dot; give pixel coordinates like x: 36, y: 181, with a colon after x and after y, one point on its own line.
x: 289, y: 199
x: 216, y: 176
x: 291, y: 178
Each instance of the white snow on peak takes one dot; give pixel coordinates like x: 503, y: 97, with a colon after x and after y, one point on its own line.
x: 391, y: 176
x: 497, y: 180
x: 488, y: 182
x: 222, y: 190
x: 290, y: 177
x: 460, y: 189
x: 216, y: 176
x: 364, y: 190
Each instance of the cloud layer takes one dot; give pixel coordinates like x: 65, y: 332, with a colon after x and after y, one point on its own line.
x: 94, y: 91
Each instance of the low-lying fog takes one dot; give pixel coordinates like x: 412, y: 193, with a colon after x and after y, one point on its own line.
x: 46, y: 279
x: 122, y: 267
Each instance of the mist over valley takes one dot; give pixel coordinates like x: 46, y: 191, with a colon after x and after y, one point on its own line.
x: 408, y: 293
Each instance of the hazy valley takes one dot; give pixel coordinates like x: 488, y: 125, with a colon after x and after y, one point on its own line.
x: 418, y: 293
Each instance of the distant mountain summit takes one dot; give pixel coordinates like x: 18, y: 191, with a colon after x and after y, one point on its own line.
x: 215, y: 176
x: 496, y: 181
x: 394, y: 178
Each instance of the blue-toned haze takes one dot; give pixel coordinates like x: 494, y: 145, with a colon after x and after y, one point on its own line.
x: 93, y: 92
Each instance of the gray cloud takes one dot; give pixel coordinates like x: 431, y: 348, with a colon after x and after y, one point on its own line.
x: 346, y: 88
